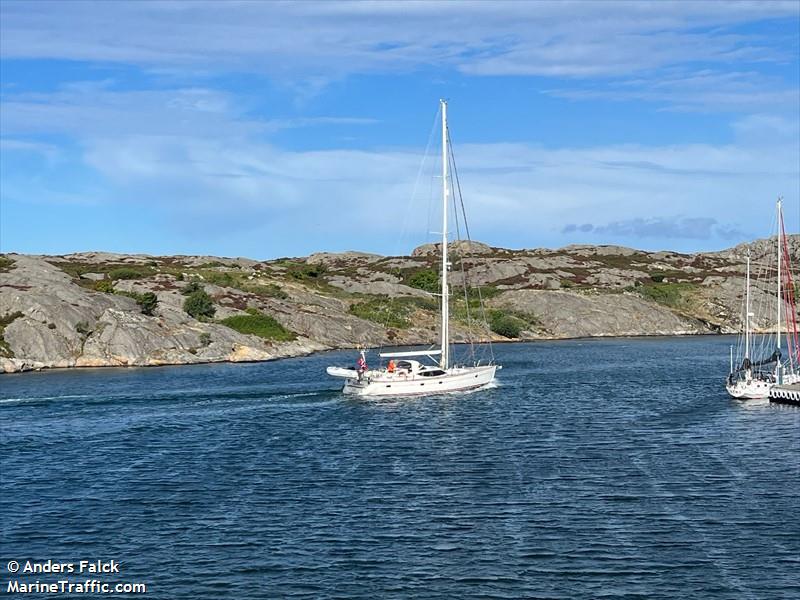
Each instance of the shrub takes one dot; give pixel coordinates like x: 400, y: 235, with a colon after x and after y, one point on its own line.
x: 127, y: 273
x: 656, y: 278
x: 83, y: 328
x: 148, y: 302
x: 257, y: 323
x: 307, y: 271
x: 199, y: 305
x: 426, y: 279
x: 506, y: 325
x: 191, y: 288
x: 105, y: 286
x: 6, y: 264
x: 205, y: 338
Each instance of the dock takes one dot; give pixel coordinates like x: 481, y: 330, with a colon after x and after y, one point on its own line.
x: 785, y: 394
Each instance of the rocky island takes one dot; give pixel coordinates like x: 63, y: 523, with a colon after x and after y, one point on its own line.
x: 100, y: 309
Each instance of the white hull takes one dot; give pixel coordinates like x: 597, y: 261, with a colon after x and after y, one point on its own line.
x: 754, y: 389
x: 456, y: 379
x: 757, y: 389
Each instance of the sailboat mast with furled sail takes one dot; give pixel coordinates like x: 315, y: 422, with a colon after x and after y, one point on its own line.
x: 759, y: 361
x: 411, y: 374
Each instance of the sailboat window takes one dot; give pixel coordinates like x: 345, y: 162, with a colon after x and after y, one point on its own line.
x: 432, y: 373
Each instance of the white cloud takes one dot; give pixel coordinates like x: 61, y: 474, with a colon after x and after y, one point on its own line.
x: 94, y: 109
x: 516, y: 194
x: 333, y: 39
x: 705, y: 90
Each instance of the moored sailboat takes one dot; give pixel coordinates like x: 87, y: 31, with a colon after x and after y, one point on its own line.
x: 759, y: 362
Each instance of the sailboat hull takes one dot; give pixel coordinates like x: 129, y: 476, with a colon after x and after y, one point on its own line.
x: 457, y: 379
x: 749, y: 390
x: 757, y: 389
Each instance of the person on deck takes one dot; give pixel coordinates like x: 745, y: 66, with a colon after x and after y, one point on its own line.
x: 390, y: 366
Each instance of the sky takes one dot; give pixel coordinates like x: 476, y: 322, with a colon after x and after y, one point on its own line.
x: 269, y: 129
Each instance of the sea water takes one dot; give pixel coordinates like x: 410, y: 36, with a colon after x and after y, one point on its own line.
x: 594, y: 469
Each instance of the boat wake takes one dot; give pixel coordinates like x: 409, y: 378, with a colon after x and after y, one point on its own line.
x: 42, y: 399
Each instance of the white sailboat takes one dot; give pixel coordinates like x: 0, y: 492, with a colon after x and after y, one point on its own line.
x: 760, y: 363
x: 410, y: 375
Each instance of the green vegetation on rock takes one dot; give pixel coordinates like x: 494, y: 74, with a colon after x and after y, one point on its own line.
x: 5, y: 321
x: 673, y: 295
x: 391, y: 312
x: 510, y: 324
x: 191, y: 288
x: 269, y: 290
x: 469, y: 311
x: 257, y: 323
x: 129, y: 273
x: 220, y: 278
x: 426, y: 279
x: 6, y: 264
x: 147, y: 301
x: 199, y: 305
x: 104, y: 285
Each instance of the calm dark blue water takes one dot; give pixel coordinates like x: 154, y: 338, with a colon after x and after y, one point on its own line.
x: 597, y: 469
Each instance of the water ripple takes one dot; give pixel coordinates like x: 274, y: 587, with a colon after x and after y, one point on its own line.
x: 596, y: 469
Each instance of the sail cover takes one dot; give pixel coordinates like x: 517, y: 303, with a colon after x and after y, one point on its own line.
x: 409, y: 353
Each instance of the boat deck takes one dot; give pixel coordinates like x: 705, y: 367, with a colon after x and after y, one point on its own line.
x: 785, y: 394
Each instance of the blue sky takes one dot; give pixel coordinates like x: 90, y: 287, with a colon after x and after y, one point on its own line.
x: 268, y: 129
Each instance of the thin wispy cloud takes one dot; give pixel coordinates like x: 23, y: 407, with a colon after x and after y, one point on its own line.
x: 704, y: 91
x: 661, y: 228
x: 336, y: 39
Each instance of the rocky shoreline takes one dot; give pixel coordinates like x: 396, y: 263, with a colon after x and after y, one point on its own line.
x: 111, y: 310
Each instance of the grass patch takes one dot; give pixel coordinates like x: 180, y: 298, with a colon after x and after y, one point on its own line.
x: 211, y: 265
x: 269, y: 290
x: 257, y: 323
x: 469, y: 311
x: 391, y: 312
x: 112, y: 271
x: 104, y: 285
x: 129, y: 273
x: 220, y: 278
x: 673, y: 295
x: 5, y: 321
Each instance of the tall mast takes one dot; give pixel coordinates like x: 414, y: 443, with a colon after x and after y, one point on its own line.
x: 747, y: 310
x: 445, y: 360
x: 780, y: 300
